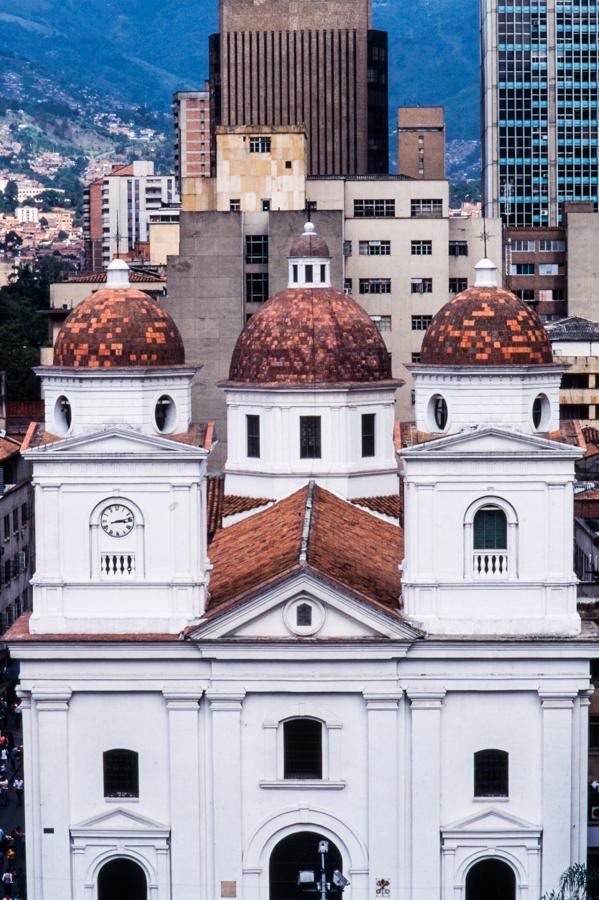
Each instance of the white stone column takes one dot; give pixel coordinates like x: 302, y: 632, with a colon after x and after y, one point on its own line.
x: 225, y: 710
x: 581, y: 789
x: 557, y: 786
x: 184, y: 780
x: 31, y: 802
x: 53, y: 878
x: 426, y: 793
x: 384, y: 772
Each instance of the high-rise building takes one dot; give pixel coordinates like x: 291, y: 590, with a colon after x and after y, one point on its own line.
x: 191, y: 115
x: 539, y: 104
x: 116, y: 212
x: 421, y: 141
x: 316, y: 63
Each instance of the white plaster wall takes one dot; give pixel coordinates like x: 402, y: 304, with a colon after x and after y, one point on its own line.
x: 499, y: 395
x: 128, y: 398
x: 279, y: 470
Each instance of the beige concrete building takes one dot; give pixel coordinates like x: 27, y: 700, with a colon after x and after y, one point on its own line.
x: 163, y: 233
x: 394, y: 247
x: 583, y: 264
x: 193, y: 134
x: 575, y: 342
x: 421, y: 141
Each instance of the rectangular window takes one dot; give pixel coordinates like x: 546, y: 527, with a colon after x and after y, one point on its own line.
x: 415, y: 357
x: 526, y: 294
x: 421, y: 323
x: 302, y: 749
x: 522, y: 269
x: 266, y: 206
x: 422, y: 248
x: 309, y: 274
x: 548, y: 269
x: 520, y: 246
x: 426, y: 209
x: 421, y: 285
x: 375, y: 285
x: 234, y: 205
x: 368, y: 425
x: 594, y: 735
x: 15, y: 520
x: 6, y: 528
x: 348, y: 286
x: 375, y: 248
x: 458, y: 248
x: 347, y: 248
x: 310, y: 447
x: 457, y: 285
x: 260, y: 145
x: 552, y: 246
x: 383, y: 323
x: 24, y: 514
x: 256, y: 287
x: 256, y: 249
x: 374, y: 209
x: 253, y: 436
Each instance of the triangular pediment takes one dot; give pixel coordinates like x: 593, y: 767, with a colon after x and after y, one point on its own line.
x: 491, y: 819
x: 491, y: 438
x: 335, y: 615
x: 118, y: 819
x: 118, y: 440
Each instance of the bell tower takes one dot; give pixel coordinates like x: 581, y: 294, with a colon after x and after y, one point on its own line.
x: 119, y: 473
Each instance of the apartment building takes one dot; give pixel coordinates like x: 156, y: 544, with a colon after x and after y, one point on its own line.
x: 116, y: 212
x: 318, y: 64
x: 193, y: 145
x: 393, y: 245
x: 17, y: 533
x: 539, y: 102
x: 421, y: 141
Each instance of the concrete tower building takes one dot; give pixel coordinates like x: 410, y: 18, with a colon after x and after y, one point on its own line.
x: 539, y: 65
x: 316, y: 63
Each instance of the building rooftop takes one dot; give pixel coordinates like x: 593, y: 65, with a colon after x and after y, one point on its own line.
x: 574, y: 328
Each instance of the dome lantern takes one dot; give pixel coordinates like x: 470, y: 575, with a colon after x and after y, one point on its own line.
x: 309, y: 260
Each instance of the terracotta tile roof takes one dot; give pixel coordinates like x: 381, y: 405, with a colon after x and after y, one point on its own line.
x: 407, y: 435
x: 199, y: 434
x: 100, y: 278
x: 309, y: 244
x: 301, y: 533
x: 234, y: 505
x: 386, y: 506
x: 118, y: 327
x: 214, y: 501
x: 569, y: 432
x: 9, y: 447
x: 310, y: 336
x: 486, y: 327
x: 19, y: 631
x: 37, y: 436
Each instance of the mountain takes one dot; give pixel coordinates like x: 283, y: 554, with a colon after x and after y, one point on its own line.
x: 140, y: 51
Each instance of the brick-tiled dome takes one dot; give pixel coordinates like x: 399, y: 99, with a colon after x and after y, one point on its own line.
x: 118, y: 327
x: 486, y: 326
x: 310, y: 336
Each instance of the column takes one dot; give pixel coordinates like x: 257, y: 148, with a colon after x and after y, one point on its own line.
x: 384, y: 808
x: 184, y: 780
x: 557, y: 786
x: 53, y: 880
x: 426, y: 794
x: 580, y: 794
x: 33, y: 828
x: 225, y: 711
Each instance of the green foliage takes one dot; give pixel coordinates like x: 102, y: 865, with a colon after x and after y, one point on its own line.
x: 11, y: 242
x: 577, y: 883
x: 466, y: 190
x: 24, y: 326
x: 8, y: 200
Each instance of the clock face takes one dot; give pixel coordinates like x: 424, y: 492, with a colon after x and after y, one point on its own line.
x: 117, y: 520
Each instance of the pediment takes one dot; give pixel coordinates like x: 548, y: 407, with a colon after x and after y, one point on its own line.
x: 272, y: 615
x: 490, y: 819
x: 119, y: 819
x: 118, y: 440
x: 491, y: 438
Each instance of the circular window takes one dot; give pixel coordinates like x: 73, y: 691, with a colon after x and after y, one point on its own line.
x: 304, y: 616
x: 62, y: 415
x: 437, y: 412
x: 541, y: 411
x: 165, y: 414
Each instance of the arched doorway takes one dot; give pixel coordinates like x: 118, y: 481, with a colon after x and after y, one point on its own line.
x: 122, y: 879
x: 299, y: 852
x: 491, y: 879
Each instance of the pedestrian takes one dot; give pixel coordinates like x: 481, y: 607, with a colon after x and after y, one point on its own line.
x: 18, y: 787
x: 8, y: 879
x: 3, y: 790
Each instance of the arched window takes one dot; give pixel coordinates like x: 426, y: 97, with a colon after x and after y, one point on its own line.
x: 304, y: 615
x: 302, y: 740
x: 121, y: 773
x: 491, y: 773
x: 490, y: 542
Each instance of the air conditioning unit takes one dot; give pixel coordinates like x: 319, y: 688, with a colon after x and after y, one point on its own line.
x: 595, y: 813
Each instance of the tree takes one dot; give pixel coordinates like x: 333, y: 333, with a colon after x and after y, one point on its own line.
x: 11, y: 242
x: 9, y: 198
x: 577, y: 883
x: 62, y: 235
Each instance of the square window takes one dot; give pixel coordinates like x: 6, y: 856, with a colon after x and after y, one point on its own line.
x: 310, y: 438
x: 457, y: 285
x: 234, y: 205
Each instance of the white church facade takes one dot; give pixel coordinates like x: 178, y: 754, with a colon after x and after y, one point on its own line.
x: 199, y: 717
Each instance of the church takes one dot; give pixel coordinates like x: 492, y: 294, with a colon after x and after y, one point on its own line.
x: 356, y: 664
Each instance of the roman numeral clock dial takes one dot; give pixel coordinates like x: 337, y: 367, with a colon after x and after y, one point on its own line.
x: 117, y: 520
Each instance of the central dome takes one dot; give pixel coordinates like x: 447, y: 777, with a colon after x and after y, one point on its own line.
x: 310, y: 336
x: 118, y: 327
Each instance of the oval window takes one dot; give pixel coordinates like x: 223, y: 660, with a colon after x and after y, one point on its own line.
x: 165, y: 414
x: 63, y: 415
x: 437, y: 413
x: 540, y: 411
